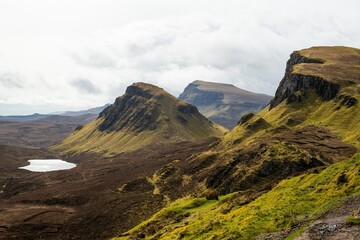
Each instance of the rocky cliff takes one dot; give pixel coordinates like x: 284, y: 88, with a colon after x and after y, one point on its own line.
x: 323, y: 70
x: 222, y: 103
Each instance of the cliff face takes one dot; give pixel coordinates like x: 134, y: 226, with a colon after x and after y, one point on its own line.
x: 324, y: 69
x: 134, y: 111
x: 192, y: 93
x: 293, y: 86
x: 224, y: 104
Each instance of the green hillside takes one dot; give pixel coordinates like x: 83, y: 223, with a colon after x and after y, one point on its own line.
x: 292, y: 201
x: 288, y: 164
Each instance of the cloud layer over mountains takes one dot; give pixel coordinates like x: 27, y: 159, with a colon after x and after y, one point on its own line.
x: 73, y: 55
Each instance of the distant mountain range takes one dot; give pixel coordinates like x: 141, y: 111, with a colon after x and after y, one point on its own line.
x: 223, y: 103
x: 89, y: 115
x: 43, y: 130
x: 95, y: 110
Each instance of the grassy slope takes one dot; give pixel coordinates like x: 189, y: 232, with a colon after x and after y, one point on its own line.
x: 292, y: 201
x: 312, y: 111
x: 341, y: 64
x: 300, y: 198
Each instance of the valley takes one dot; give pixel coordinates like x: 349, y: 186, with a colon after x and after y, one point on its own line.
x: 84, y: 201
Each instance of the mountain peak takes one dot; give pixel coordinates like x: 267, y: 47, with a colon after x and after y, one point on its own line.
x: 145, y: 90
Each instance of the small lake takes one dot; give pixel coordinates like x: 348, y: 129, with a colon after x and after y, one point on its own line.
x: 48, y: 165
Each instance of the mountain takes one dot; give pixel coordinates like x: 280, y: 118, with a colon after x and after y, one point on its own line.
x: 95, y: 111
x: 23, y: 118
x: 290, y: 170
x: 37, y: 117
x: 145, y: 115
x: 222, y: 103
x: 36, y: 131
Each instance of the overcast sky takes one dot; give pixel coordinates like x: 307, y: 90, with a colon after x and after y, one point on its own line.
x: 75, y: 54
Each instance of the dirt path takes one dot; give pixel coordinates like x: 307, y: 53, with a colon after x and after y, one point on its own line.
x: 332, y: 225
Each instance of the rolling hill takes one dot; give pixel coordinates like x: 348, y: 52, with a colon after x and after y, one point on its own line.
x: 223, y: 103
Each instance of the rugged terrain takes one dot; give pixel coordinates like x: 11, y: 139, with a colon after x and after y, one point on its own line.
x: 87, y: 202
x: 308, y: 135
x: 222, y: 103
x: 289, y: 171
x: 104, y: 195
x: 145, y: 115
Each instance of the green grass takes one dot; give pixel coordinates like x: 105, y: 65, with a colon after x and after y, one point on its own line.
x: 292, y: 201
x: 353, y: 220
x: 296, y: 233
x: 343, y: 121
x: 340, y: 64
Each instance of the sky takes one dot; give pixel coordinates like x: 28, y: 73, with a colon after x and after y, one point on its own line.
x: 58, y: 55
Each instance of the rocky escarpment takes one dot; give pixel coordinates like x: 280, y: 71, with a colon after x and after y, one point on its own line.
x: 293, y: 86
x: 134, y: 111
x: 222, y: 103
x: 200, y: 97
x: 140, y: 109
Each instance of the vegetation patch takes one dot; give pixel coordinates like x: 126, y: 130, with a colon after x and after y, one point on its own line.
x: 292, y: 202
x: 353, y: 220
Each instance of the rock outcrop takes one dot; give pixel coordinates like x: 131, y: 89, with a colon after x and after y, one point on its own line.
x: 222, y: 103
x: 293, y: 86
x: 326, y: 71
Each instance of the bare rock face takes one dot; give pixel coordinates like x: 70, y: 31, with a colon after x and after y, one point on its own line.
x: 222, y: 103
x: 134, y: 111
x: 293, y: 83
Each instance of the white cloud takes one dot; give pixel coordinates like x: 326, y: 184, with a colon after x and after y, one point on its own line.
x: 168, y: 43
x: 11, y: 80
x: 85, y: 86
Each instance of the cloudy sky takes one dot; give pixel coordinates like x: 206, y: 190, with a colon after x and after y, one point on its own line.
x: 67, y: 55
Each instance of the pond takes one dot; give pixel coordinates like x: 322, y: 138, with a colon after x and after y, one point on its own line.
x: 47, y: 165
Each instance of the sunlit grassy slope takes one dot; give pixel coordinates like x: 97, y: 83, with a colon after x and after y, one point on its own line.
x: 292, y: 201
x: 342, y: 121
x: 171, y: 120
x: 340, y: 65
